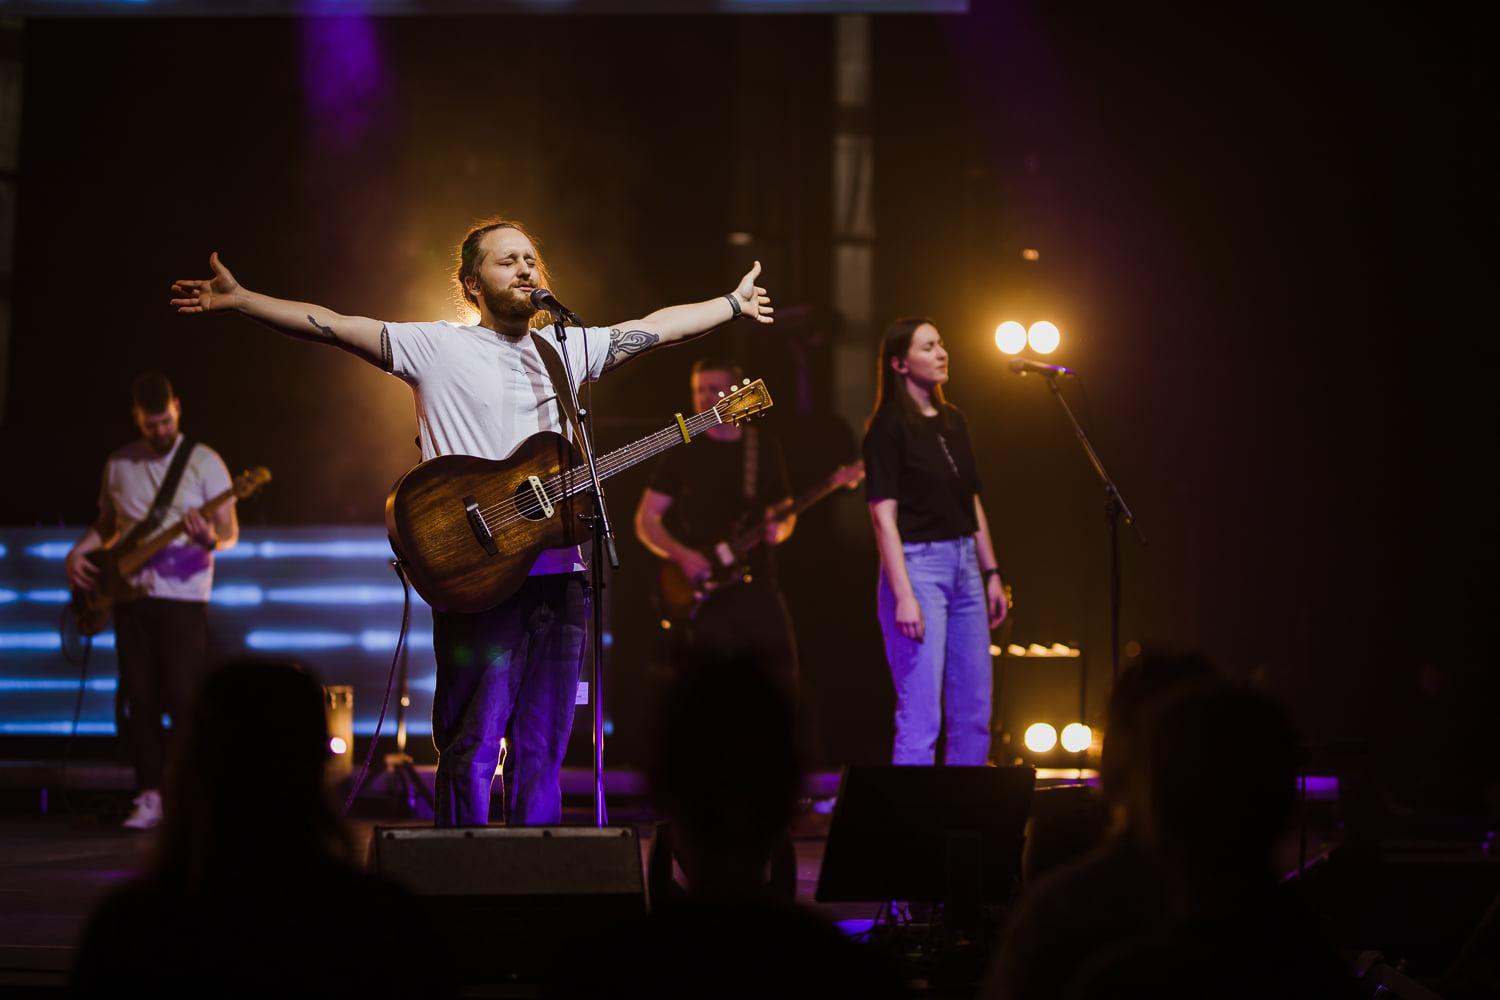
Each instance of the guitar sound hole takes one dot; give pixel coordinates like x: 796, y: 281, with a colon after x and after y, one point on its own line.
x: 528, y: 505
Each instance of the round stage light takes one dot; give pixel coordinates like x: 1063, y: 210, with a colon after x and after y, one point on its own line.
x: 1076, y: 737
x: 1010, y: 337
x: 1043, y: 337
x: 337, y: 746
x: 1040, y: 737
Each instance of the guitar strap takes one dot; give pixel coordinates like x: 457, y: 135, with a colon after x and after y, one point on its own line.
x: 552, y: 361
x: 164, y: 496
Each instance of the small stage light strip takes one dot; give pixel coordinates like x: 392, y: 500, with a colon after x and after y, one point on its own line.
x: 47, y: 640
x: 25, y: 684
x: 271, y: 549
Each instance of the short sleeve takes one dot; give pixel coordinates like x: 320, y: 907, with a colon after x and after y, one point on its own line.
x: 882, y: 454
x: 413, y: 346
x: 213, y: 474
x: 586, y: 353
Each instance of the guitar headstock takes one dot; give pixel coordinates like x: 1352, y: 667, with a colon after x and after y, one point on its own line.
x: 248, y: 482
x: 743, y: 403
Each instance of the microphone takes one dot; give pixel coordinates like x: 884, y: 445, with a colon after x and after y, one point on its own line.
x: 543, y: 299
x: 1021, y: 366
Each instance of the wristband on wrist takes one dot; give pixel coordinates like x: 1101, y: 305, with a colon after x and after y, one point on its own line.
x: 734, y: 304
x: 986, y: 574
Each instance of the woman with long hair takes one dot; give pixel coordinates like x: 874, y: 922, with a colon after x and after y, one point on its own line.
x: 940, y: 589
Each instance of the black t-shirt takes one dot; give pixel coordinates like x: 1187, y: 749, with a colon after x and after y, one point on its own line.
x: 928, y: 469
x: 706, y: 481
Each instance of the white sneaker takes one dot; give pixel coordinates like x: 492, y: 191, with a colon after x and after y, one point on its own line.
x: 147, y: 812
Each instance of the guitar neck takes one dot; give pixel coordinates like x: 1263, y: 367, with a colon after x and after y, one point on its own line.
x: 650, y: 446
x: 132, y: 562
x: 745, y: 541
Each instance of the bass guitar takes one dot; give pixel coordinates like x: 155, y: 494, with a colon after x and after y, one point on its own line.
x: 679, y: 598
x: 91, y: 608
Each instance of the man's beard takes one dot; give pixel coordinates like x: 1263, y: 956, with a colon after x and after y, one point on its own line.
x: 508, y: 304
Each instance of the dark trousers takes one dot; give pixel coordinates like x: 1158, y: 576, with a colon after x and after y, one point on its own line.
x: 508, y: 672
x: 747, y: 619
x: 160, y: 646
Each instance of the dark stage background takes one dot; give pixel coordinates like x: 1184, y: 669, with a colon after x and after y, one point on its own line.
x: 1263, y: 236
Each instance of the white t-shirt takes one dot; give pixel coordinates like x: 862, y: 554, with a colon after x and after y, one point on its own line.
x: 184, y: 570
x: 482, y: 394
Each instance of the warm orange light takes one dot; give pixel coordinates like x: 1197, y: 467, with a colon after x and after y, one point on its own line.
x: 1043, y: 337
x: 1010, y: 337
x: 1076, y: 737
x: 1040, y: 737
x: 1031, y: 254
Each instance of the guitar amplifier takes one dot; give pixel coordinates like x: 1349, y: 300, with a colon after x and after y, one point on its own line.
x: 509, y: 900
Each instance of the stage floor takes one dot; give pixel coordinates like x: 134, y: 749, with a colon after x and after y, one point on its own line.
x: 54, y: 869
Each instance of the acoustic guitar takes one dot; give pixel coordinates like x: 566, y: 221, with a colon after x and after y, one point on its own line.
x: 467, y: 530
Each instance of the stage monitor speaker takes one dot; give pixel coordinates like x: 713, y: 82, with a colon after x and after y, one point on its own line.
x: 510, y: 899
x: 926, y: 833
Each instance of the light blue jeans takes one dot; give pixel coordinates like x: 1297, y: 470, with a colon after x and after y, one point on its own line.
x: 946, y: 676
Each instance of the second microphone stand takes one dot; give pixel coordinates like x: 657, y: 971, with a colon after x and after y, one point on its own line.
x: 603, y: 546
x: 1114, y: 509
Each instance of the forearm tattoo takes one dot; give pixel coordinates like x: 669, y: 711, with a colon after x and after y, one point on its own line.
x: 385, y: 349
x: 626, y: 344
x: 324, y: 332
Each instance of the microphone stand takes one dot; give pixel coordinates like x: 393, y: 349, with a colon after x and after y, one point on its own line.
x: 1114, y: 508
x: 603, y: 544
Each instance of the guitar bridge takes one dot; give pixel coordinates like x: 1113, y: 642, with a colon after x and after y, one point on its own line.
x: 481, y: 530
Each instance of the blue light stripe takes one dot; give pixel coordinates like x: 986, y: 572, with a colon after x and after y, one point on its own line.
x: 45, y: 640
x: 324, y: 550
x: 49, y: 550
x: 51, y: 684
x: 336, y: 594
x: 50, y: 596
x: 414, y: 727
x: 8, y: 596
x: 237, y: 595
x: 384, y: 639
x: 56, y: 728
x: 281, y: 639
x: 30, y: 640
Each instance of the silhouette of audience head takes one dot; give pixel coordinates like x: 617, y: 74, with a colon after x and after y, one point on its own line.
x: 1143, y: 684
x: 1219, y: 781
x: 254, y: 753
x: 725, y: 771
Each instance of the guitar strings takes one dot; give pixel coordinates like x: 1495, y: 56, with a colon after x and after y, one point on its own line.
x: 513, y: 510
x: 610, y: 464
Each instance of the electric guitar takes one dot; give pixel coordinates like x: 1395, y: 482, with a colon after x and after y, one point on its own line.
x: 467, y: 530
x: 679, y: 598
x: 91, y: 608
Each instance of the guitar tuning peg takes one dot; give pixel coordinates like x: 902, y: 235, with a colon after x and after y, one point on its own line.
x: 746, y: 382
x: 721, y: 395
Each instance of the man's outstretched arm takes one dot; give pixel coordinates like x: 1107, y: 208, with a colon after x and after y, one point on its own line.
x: 222, y: 293
x: 676, y: 324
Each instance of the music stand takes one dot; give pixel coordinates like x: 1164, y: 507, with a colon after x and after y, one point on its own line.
x: 942, y: 834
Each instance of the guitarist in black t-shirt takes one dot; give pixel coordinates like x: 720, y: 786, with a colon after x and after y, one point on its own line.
x: 729, y: 479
